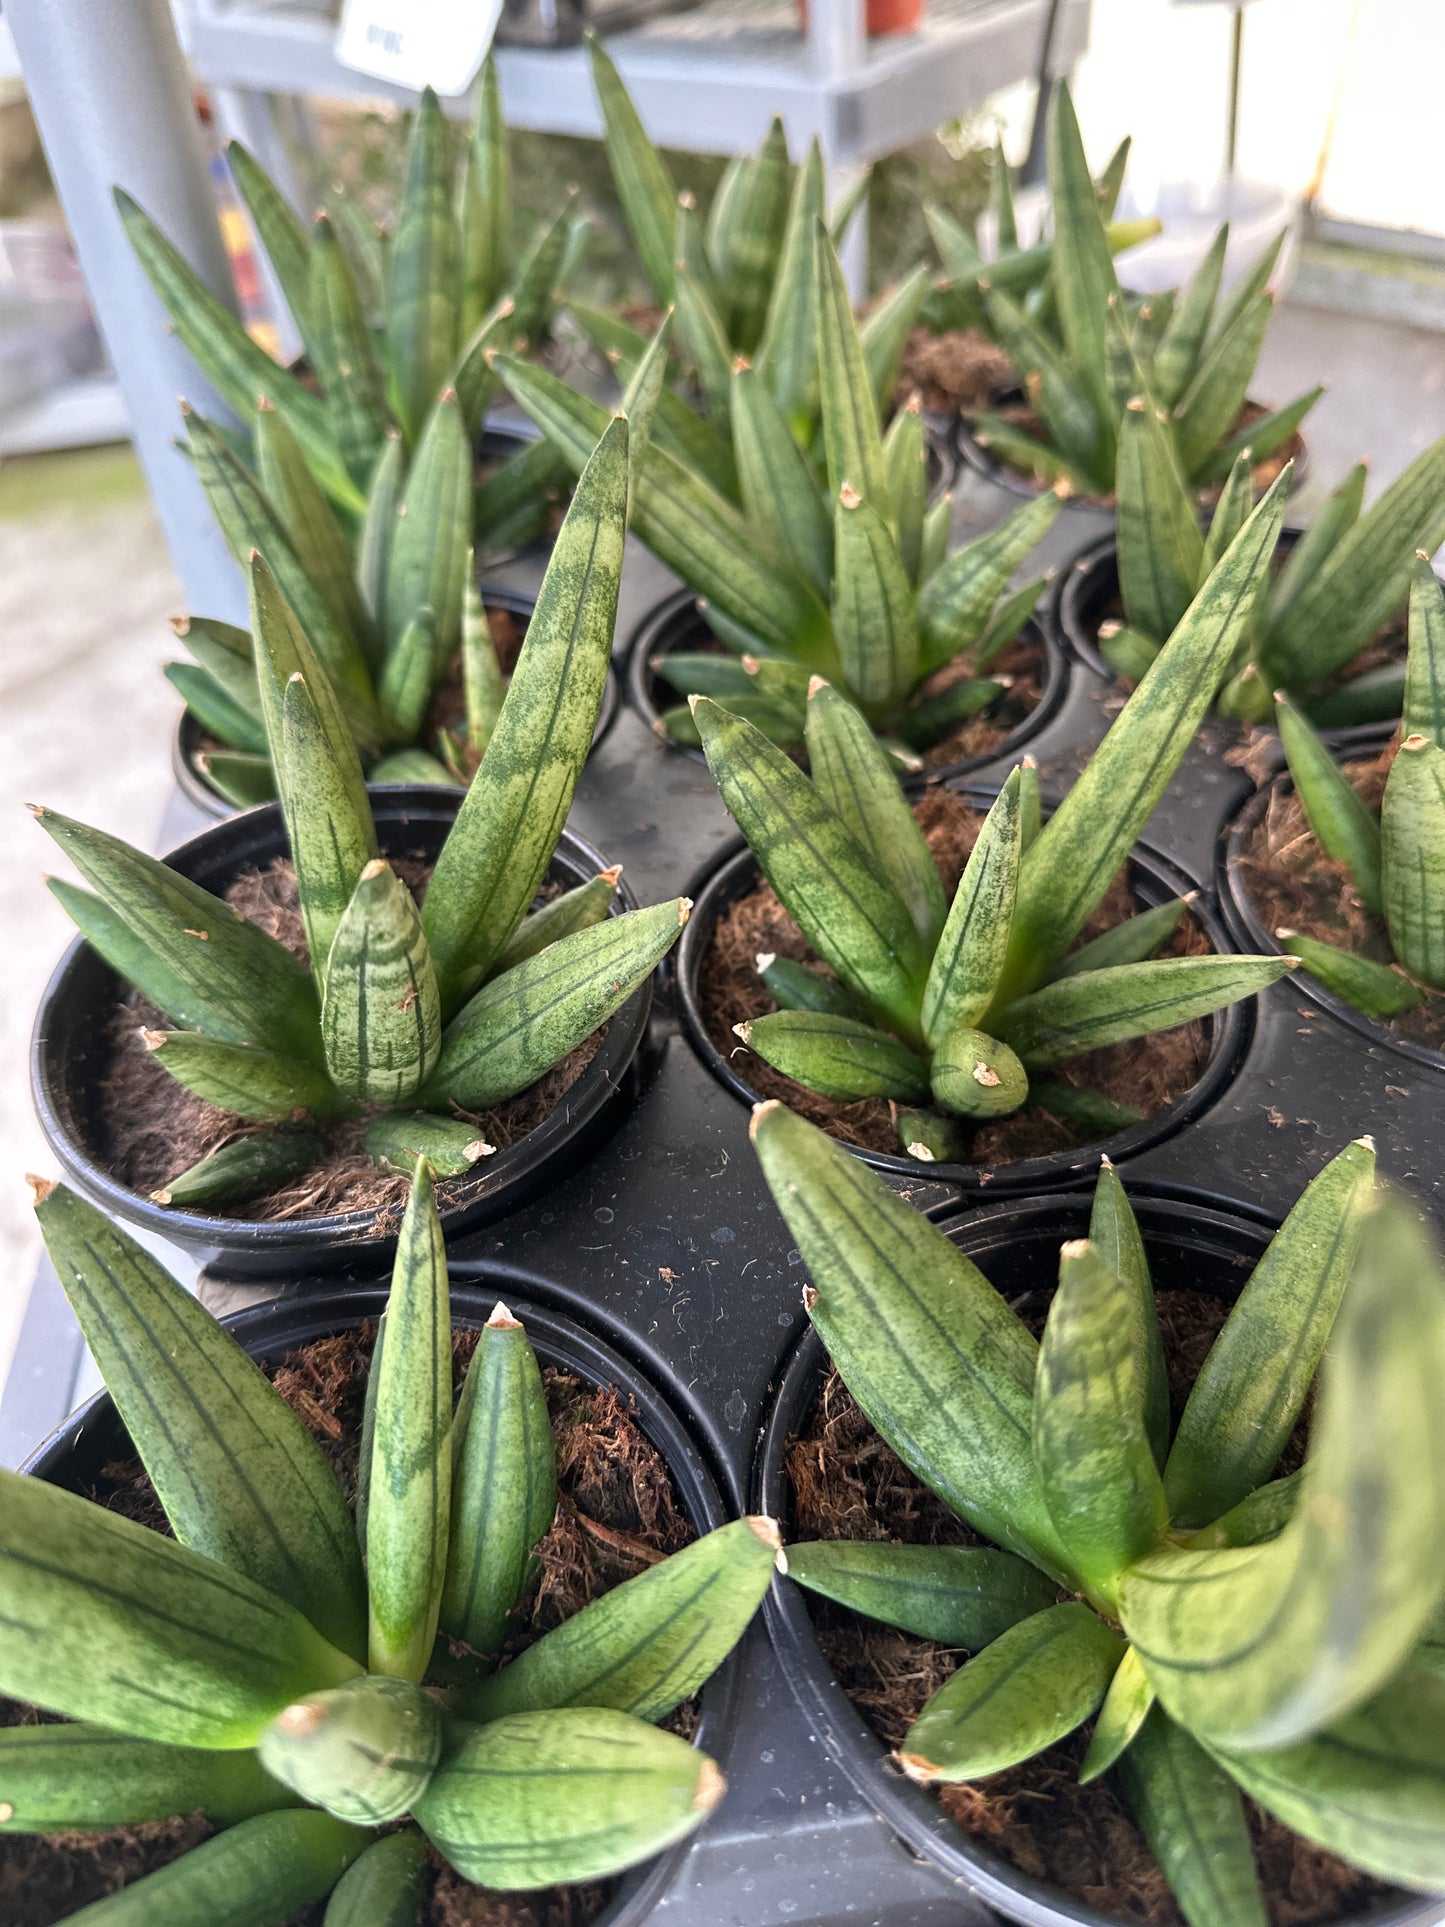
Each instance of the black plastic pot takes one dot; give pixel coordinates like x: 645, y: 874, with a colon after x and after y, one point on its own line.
x: 1155, y: 881
x: 1084, y: 594
x: 73, y: 1456
x: 676, y: 624
x: 189, y: 738
x: 71, y: 1048
x: 1191, y: 1242
x: 1251, y: 930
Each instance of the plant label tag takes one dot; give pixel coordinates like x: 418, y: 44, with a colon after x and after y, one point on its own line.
x: 418, y: 43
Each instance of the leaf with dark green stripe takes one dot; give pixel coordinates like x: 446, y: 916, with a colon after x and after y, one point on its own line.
x: 1081, y: 847
x: 778, y: 488
x: 106, y: 1620
x: 383, y: 1887
x: 1091, y: 1444
x: 364, y: 1750
x: 1134, y: 940
x: 249, y: 1166
x: 431, y: 539
x: 309, y: 521
x: 1031, y: 1687
x: 793, y: 986
x: 854, y: 774
x: 1083, y: 269
x: 1177, y: 356
x: 1370, y: 1788
x: 380, y: 1010
x: 498, y: 850
x: 838, y: 1057
x: 1261, y: 1646
x: 850, y: 414
x: 1263, y: 1515
x: 648, y: 1644
x: 1193, y: 1819
x: 754, y: 239
x: 958, y: 1595
x: 906, y: 458
x: 852, y: 916
x: 1316, y: 543
x: 1231, y: 512
x: 941, y: 1365
x: 187, y: 951
x: 964, y: 974
x: 72, y: 1777
x: 374, y: 543
x: 485, y: 203
x: 279, y: 230
x: 261, y: 1871
x: 1412, y: 858
x: 644, y: 185
x: 1347, y: 829
x: 1424, y: 709
x: 569, y: 1794
x: 1377, y: 989
x: 1098, y: 1007
x: 215, y: 710
x: 874, y: 623
x: 958, y: 599
x: 787, y: 358
x: 332, y: 842
x: 1066, y: 410
x: 1125, y: 1709
x: 407, y: 677
x: 420, y: 335
x: 504, y: 1486
x: 1160, y: 547
x: 239, y: 1476
x: 519, y: 1024
x: 576, y: 909
x: 343, y: 355
x: 1114, y: 1234
x: 1210, y: 405
x: 255, y: 1084
x: 538, y: 274
x: 883, y: 334
x: 409, y: 1487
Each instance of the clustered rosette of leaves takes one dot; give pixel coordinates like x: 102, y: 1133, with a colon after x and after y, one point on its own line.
x: 308, y: 1678
x: 1347, y: 574
x: 419, y: 1017
x: 1225, y: 1629
x: 1079, y: 351
x: 1396, y: 859
x: 966, y: 1007
x: 359, y: 489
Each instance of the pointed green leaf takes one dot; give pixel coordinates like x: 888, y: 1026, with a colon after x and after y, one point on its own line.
x: 1177, y: 356
x: 1194, y: 1821
x: 780, y: 495
x: 409, y: 1489
x: 884, y: 334
x: 1125, y: 1709
x: 1091, y: 1443
x: 246, y: 1167
x: 214, y: 709
x: 1211, y: 403
x: 965, y: 970
x: 787, y: 359
x: 850, y: 412
x: 185, y: 950
x: 1379, y: 990
x: 538, y: 1799
x: 1412, y: 857
x: 958, y: 1595
x: 576, y: 909
x: 1261, y: 1646
x: 450, y: 1145
x: 852, y: 916
x: 497, y: 854
x: 1062, y: 400
x: 874, y: 624
x: 1231, y: 512
x: 256, y: 1084
x: 639, y: 400
x: 958, y: 599
x: 1424, y: 710
x: 1315, y: 544
x: 239, y: 1476
x: 650, y: 1643
x: 382, y: 1887
x: 485, y: 211
x: 344, y: 356
x: 1098, y: 1007
x: 906, y: 458
x: 1263, y: 1515
x: 1160, y: 547
x: 1260, y: 438
x: 421, y: 306
x: 332, y: 841
x: 504, y: 1486
x: 308, y: 519
x: 754, y: 239
x: 106, y: 1620
x: 941, y: 1365
x: 1083, y: 275
x: 364, y: 1750
x: 1031, y: 1687
x: 838, y: 1057
x: 380, y: 1012
x: 431, y: 539
x: 72, y: 1777
x: 1114, y: 1234
x: 644, y: 185
x: 407, y: 677
x: 279, y: 230
x: 1346, y: 827
x: 1134, y: 940
x: 374, y: 545
x: 1079, y: 850
x: 538, y: 275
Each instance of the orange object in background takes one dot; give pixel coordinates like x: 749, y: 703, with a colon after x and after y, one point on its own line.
x: 882, y: 16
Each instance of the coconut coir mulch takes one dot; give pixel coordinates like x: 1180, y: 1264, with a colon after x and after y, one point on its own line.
x: 847, y: 1484
x: 952, y: 373
x: 617, y: 1514
x: 1293, y: 885
x: 151, y: 1128
x: 1147, y: 1073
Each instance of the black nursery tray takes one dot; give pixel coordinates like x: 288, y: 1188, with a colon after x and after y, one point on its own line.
x: 667, y: 1244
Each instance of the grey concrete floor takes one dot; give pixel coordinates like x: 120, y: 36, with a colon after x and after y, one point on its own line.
x: 85, y: 586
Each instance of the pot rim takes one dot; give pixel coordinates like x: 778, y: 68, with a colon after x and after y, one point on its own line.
x: 654, y: 633
x: 1167, y: 1213
x: 1245, y: 922
x: 285, y: 1323
x: 264, y: 1243
x: 185, y: 738
x: 1074, y: 631
x: 1232, y: 1029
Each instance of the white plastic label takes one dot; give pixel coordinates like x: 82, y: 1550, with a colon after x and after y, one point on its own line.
x: 418, y: 43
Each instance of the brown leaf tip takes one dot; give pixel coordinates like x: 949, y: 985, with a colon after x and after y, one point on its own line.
x: 36, y: 809
x: 752, y: 664
x: 711, y: 1786
x: 766, y: 1530
x: 764, y: 961
x: 160, y: 1197
x: 921, y: 1152
x: 301, y: 1718
x: 684, y: 910
x: 502, y: 1320
x: 1415, y: 742
x: 478, y: 1148
x: 810, y: 1297
x: 919, y: 1770
x: 180, y: 625
x: 986, y: 1075
x: 760, y: 1111
x: 372, y: 870
x: 1366, y: 1143
x: 815, y: 683
x: 153, y: 1039
x: 40, y: 1188
x: 848, y: 496
x: 610, y: 876
x: 743, y: 1031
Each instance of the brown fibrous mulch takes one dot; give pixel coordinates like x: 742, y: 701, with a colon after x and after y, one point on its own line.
x: 952, y: 373
x: 1022, y: 666
x: 1293, y: 885
x: 617, y: 1514
x: 1147, y: 1073
x: 152, y: 1128
x: 848, y: 1484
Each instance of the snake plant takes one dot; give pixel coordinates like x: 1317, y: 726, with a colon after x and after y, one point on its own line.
x: 445, y: 288
x: 1396, y: 859
x: 1347, y: 574
x: 1080, y: 358
x: 1225, y: 1628
x: 834, y: 565
x: 434, y: 1012
x: 967, y: 1007
x: 308, y: 1678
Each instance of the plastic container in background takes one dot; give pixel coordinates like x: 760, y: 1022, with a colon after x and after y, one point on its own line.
x: 1191, y: 212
